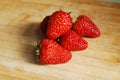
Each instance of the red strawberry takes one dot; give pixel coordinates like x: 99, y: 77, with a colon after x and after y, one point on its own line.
x: 52, y: 53
x: 44, y: 24
x: 72, y: 41
x: 85, y: 27
x: 59, y: 23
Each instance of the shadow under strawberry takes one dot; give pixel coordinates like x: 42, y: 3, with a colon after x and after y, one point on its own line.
x: 33, y: 34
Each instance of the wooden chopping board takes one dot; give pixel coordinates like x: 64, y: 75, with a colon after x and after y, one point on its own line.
x: 19, y: 23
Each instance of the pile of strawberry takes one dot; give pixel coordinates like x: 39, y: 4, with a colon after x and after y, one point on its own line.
x: 62, y: 36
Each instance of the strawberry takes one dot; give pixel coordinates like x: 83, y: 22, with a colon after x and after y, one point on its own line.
x: 72, y: 41
x: 52, y: 53
x: 44, y: 24
x: 59, y: 23
x: 85, y: 27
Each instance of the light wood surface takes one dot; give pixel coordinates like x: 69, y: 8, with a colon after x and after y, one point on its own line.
x: 19, y: 23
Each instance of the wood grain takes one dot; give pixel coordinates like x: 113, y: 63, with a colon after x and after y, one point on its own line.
x: 19, y: 25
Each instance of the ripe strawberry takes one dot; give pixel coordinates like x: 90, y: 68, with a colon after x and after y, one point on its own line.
x: 52, y: 53
x: 59, y: 23
x: 44, y: 24
x: 85, y: 27
x: 72, y: 41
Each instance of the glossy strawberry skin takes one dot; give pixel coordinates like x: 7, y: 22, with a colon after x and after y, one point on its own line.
x: 59, y: 23
x: 72, y: 41
x: 52, y: 53
x: 84, y: 26
x: 44, y: 24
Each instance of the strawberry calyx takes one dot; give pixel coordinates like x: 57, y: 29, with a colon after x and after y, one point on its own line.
x: 38, y: 48
x: 69, y: 12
